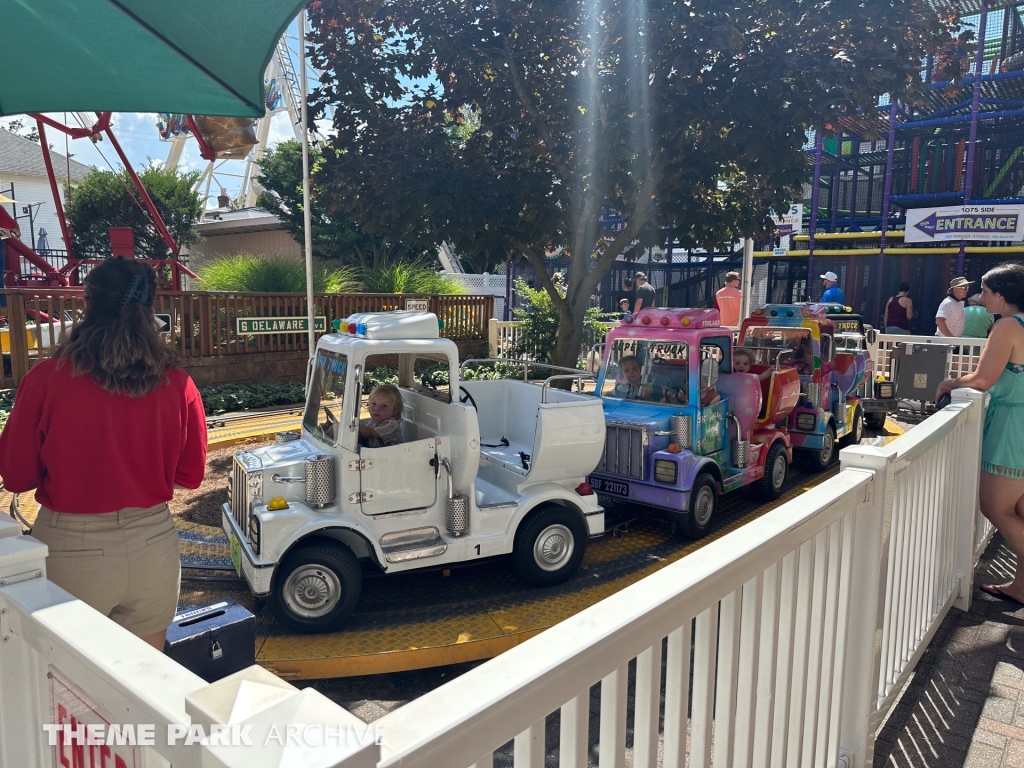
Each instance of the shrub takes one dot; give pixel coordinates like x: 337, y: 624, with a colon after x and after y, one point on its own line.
x: 223, y: 398
x: 539, y: 333
x: 246, y: 272
x: 409, y: 277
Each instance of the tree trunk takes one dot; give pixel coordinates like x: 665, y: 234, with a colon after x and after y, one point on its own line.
x: 570, y: 331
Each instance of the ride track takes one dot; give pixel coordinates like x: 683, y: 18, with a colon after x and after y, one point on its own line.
x: 436, y: 617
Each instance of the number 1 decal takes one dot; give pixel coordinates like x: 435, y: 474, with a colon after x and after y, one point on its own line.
x: 478, y: 549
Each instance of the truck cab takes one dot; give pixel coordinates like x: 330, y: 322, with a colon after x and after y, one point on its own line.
x: 826, y: 344
x: 484, y: 468
x: 684, y: 423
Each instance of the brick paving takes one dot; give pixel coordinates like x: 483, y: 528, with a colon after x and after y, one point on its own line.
x: 964, y: 705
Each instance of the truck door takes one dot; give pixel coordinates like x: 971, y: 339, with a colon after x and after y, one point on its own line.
x: 712, y: 433
x: 397, y: 477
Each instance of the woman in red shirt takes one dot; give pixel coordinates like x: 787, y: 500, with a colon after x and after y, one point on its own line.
x: 104, y: 431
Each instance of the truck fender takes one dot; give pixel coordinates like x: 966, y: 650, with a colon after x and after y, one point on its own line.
x: 544, y: 493
x: 693, y: 465
x: 767, y: 448
x: 356, y: 540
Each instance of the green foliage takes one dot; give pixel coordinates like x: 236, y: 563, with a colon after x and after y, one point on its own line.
x: 334, y: 235
x: 225, y: 398
x: 506, y: 128
x: 274, y: 274
x: 103, y: 200
x: 539, y: 333
x: 408, y: 277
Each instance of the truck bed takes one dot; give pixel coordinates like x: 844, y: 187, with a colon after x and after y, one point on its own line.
x: 557, y: 440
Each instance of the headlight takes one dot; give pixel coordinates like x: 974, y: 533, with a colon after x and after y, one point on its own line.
x: 806, y: 422
x: 665, y: 471
x: 884, y: 390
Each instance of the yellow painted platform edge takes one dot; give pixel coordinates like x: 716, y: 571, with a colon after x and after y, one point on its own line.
x: 397, y: 661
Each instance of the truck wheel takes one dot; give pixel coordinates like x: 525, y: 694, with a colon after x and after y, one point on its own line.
x: 696, y: 521
x: 819, y: 461
x: 776, y: 465
x: 876, y: 419
x: 549, y: 545
x: 316, y: 587
x: 857, y: 428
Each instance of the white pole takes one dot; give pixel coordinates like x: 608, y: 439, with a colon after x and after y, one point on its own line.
x: 747, y: 282
x: 310, y: 306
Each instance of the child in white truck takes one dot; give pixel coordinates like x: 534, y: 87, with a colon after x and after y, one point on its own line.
x: 385, y: 409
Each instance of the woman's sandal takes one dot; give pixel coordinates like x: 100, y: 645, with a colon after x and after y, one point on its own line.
x: 997, y: 591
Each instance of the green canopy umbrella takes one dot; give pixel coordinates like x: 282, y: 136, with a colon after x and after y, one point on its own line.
x: 203, y: 57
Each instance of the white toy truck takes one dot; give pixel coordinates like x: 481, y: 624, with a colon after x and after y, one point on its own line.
x: 484, y: 468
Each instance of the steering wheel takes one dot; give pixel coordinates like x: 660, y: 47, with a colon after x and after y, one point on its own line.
x: 466, y: 397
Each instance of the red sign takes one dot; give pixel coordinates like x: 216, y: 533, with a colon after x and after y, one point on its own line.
x: 84, y: 735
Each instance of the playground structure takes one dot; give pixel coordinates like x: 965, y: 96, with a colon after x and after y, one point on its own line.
x: 964, y: 145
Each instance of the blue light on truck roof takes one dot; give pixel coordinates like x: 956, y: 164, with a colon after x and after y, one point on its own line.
x: 361, y: 329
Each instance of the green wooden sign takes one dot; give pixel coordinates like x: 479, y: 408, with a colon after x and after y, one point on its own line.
x: 254, y: 326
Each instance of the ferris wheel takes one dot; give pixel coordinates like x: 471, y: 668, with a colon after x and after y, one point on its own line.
x: 224, y: 140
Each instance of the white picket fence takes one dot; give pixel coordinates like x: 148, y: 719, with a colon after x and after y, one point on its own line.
x: 788, y: 638
x: 783, y: 643
x: 962, y: 360
x: 503, y: 335
x: 60, y: 659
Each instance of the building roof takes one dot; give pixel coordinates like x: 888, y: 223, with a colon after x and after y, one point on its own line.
x: 242, y: 220
x: 20, y: 156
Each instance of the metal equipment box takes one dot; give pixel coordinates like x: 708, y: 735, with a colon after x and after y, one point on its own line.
x: 919, y: 367
x: 213, y: 640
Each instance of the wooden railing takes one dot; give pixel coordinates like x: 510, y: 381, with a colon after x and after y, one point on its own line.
x: 203, y: 324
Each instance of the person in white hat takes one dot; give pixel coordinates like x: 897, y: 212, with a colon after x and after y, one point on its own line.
x: 833, y: 293
x: 950, y: 316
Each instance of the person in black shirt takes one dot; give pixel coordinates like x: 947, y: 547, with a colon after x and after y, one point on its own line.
x: 646, y: 296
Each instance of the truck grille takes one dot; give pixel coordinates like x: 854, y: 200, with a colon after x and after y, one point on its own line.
x: 246, y: 484
x: 624, y: 451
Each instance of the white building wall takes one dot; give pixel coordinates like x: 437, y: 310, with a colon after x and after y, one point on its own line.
x: 35, y: 189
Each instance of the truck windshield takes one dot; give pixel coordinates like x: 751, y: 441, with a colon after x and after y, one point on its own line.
x: 326, y: 392
x: 796, y: 340
x: 648, y: 369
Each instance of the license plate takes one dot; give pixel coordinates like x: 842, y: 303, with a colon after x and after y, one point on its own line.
x: 236, y: 552
x: 611, y: 487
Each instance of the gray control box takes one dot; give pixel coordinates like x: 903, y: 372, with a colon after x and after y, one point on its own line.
x: 919, y: 368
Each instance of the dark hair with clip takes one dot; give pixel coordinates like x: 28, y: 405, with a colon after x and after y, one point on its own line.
x: 117, y: 343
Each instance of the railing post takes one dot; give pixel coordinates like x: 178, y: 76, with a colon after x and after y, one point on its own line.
x: 17, y: 330
x: 869, y: 575
x: 24, y: 703
x: 492, y: 337
x: 970, y: 476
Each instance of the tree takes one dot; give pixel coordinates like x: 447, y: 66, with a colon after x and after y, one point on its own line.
x: 335, y: 237
x: 687, y: 116
x: 103, y: 200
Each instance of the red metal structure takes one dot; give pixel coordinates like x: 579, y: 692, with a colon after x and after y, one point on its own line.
x: 68, y: 275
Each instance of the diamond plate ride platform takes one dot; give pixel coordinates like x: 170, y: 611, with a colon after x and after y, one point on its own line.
x: 447, y: 616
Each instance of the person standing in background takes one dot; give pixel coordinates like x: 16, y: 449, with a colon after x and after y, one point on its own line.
x: 104, y: 431
x: 977, y: 320
x: 950, y: 317
x: 898, y: 311
x: 624, y: 308
x: 646, y: 296
x: 728, y: 300
x: 833, y: 293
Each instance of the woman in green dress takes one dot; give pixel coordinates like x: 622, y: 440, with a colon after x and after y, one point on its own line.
x: 1000, y: 372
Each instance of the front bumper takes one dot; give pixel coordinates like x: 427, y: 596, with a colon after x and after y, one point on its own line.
x: 257, y: 575
x: 879, y: 405
x: 663, y: 496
